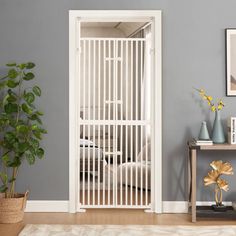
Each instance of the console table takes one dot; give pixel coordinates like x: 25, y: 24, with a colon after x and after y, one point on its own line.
x: 192, y: 174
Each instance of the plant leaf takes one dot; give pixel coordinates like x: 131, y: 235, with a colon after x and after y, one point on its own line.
x: 6, y: 159
x: 3, y: 188
x: 10, y: 136
x: 11, y: 98
x: 37, y: 134
x: 11, y: 64
x: 37, y: 91
x: 12, y: 73
x: 3, y: 177
x: 35, y: 127
x: 28, y: 76
x: 21, y: 147
x: 22, y: 128
x: 2, y: 84
x: 34, y: 143
x: 21, y: 66
x: 40, y: 113
x: 40, y: 153
x: 30, y: 158
x: 12, y: 83
x: 12, y: 122
x: 30, y: 65
x: 15, y: 163
x: 29, y: 97
x: 26, y: 109
x: 10, y: 108
x: 43, y: 131
x: 35, y: 117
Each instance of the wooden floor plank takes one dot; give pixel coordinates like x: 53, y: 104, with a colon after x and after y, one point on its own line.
x: 106, y: 216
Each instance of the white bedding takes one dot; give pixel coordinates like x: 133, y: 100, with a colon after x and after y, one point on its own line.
x: 89, y: 150
x: 133, y: 169
x: 87, y: 143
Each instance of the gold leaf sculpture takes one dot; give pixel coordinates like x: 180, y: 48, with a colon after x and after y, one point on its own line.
x: 213, y: 177
x: 223, y: 167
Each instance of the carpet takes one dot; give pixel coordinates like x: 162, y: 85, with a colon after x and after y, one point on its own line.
x: 126, y: 230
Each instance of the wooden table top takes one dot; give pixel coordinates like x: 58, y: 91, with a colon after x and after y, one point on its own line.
x: 223, y: 146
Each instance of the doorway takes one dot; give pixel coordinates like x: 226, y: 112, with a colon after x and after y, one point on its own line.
x: 115, y: 151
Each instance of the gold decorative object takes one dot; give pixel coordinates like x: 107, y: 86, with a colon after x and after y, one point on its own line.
x: 214, y: 177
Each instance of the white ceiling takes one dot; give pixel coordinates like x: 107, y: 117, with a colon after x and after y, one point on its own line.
x: 126, y: 28
x: 98, y: 24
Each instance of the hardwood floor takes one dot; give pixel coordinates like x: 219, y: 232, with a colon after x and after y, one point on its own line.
x: 106, y: 216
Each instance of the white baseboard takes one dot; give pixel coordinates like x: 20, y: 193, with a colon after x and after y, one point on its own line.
x: 174, y: 207
x: 47, y: 206
x: 63, y: 206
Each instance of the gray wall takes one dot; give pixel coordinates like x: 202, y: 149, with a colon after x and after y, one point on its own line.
x: 193, y: 55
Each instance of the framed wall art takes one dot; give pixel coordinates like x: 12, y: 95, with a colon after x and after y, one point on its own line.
x: 230, y: 62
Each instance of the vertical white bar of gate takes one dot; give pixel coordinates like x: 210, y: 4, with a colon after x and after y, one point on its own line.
x: 121, y: 118
x: 84, y: 127
x: 104, y: 118
x: 153, y: 90
x: 141, y: 117
x: 126, y: 116
x: 131, y: 127
x: 114, y: 106
x: 136, y: 118
x: 77, y: 85
x: 109, y: 118
x: 94, y: 108
x: 116, y: 116
x: 146, y: 165
x: 99, y: 117
x: 89, y: 117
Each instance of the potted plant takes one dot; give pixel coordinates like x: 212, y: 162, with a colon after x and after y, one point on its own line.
x: 20, y: 135
x: 214, y: 177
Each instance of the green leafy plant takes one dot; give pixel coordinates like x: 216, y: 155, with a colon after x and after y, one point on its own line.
x: 21, y: 127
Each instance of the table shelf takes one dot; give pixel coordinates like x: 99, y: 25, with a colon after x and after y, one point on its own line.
x: 208, y: 212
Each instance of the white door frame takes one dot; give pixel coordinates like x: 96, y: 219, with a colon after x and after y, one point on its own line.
x: 120, y: 16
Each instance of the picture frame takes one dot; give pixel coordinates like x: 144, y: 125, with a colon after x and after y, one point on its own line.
x: 230, y: 38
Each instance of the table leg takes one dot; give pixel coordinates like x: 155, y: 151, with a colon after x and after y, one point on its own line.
x: 193, y: 183
x: 189, y: 176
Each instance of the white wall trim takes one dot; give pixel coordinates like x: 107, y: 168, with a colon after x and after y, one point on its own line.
x: 174, y: 207
x: 63, y: 206
x: 47, y: 206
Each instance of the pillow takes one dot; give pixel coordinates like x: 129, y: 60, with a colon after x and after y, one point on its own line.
x: 142, y: 154
x: 87, y: 143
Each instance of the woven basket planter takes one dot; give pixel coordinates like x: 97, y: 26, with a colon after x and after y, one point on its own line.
x: 12, y: 209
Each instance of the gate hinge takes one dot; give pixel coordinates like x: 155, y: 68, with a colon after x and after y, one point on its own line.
x: 78, y: 49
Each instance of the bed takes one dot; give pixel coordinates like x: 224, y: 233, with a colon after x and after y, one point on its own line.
x: 141, y: 167
x: 133, y: 168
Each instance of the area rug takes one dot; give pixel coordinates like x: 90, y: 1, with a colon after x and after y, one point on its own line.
x: 126, y: 230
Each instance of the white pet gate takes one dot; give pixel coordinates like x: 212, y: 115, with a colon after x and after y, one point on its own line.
x: 114, y: 157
